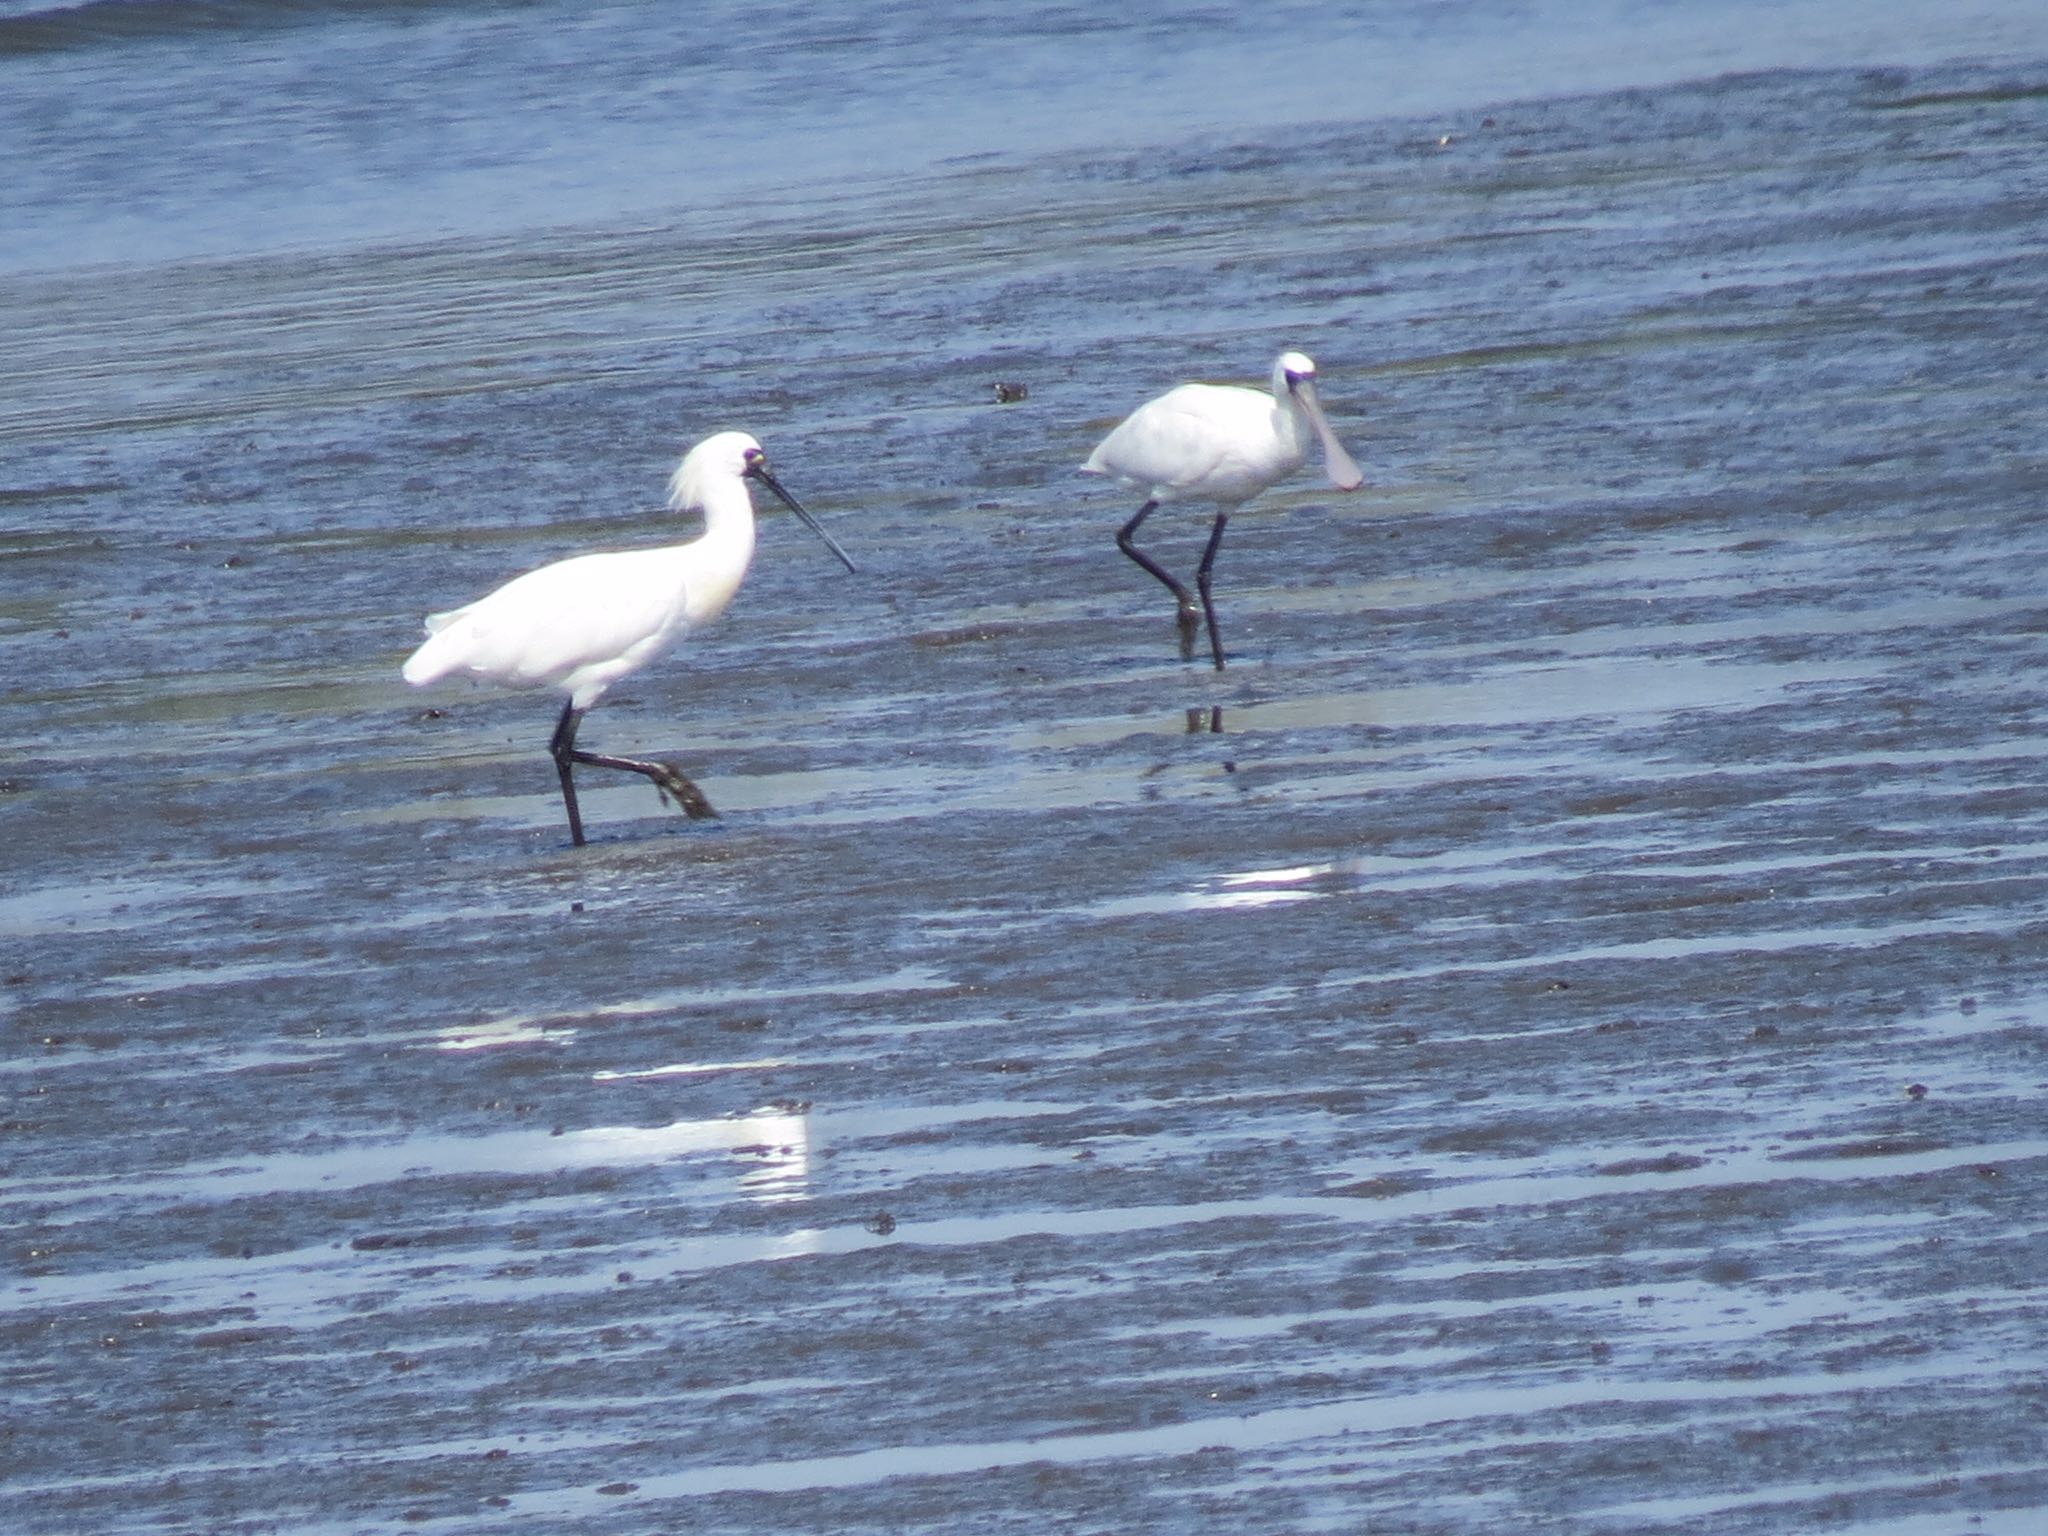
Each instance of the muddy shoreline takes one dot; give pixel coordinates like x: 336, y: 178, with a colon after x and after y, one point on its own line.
x: 1566, y: 1054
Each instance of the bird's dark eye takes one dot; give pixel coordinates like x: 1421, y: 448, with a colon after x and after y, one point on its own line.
x: 1294, y: 379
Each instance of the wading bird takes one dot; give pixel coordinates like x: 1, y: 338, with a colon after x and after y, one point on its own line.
x: 1219, y: 443
x: 582, y: 624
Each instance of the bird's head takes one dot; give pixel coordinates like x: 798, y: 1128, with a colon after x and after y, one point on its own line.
x: 723, y: 455
x: 1293, y: 370
x: 733, y: 457
x: 1294, y: 386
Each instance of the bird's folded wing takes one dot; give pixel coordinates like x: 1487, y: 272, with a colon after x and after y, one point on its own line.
x: 547, y: 624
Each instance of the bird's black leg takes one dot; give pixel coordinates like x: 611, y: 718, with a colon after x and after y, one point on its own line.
x: 665, y: 777
x: 562, y: 747
x: 1188, y: 616
x: 1202, y: 585
x: 668, y: 780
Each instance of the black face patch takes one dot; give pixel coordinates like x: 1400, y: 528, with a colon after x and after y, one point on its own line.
x: 1294, y: 379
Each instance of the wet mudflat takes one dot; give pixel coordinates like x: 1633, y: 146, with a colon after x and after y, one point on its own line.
x: 1550, y: 1040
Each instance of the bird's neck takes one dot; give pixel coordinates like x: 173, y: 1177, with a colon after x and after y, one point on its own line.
x: 729, y: 527
x: 721, y: 554
x: 1292, y: 421
x: 730, y: 509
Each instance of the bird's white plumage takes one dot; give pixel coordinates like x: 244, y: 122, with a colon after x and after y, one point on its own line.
x: 582, y: 624
x: 1205, y: 442
x: 1222, y: 442
x: 578, y: 625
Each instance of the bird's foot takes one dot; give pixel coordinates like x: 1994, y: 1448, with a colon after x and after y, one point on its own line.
x: 675, y: 788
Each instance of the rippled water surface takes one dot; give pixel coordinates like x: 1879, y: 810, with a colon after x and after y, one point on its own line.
x: 1549, y: 1040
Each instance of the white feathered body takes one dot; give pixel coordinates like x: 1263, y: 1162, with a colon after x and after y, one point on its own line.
x: 1224, y: 443
x: 581, y: 624
x: 1205, y: 442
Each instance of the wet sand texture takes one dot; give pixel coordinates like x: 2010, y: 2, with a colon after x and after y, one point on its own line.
x: 1565, y: 1056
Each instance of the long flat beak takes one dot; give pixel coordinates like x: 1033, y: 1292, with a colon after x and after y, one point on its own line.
x: 1342, y: 469
x: 759, y: 471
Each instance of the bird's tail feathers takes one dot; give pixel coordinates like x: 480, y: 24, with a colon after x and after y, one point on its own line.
x: 435, y: 659
x: 420, y: 668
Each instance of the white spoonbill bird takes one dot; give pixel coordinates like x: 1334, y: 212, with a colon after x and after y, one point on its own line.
x: 1218, y: 443
x: 582, y: 624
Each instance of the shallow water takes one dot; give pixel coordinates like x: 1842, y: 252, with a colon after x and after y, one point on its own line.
x: 1564, y: 1055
